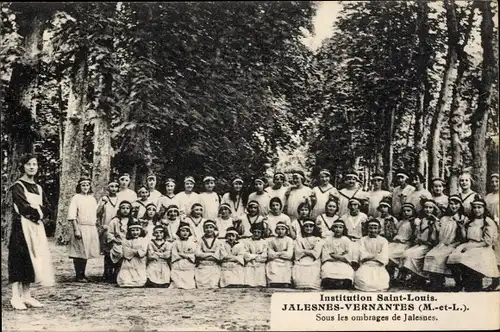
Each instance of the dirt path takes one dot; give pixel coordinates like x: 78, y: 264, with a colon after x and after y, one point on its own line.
x: 97, y: 306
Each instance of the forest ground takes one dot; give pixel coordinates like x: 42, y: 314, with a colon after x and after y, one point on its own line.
x: 97, y: 306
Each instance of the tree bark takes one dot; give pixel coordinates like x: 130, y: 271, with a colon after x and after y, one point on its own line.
x: 73, y: 142
x: 479, y: 118
x: 434, y: 144
x: 456, y: 118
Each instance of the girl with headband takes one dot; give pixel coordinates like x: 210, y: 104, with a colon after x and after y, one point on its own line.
x: 209, y: 199
x: 275, y: 215
x: 401, y: 192
x: 168, y: 199
x: 185, y: 199
x: 420, y: 193
x: 278, y: 189
x: 171, y: 222
x: 196, y: 221
x: 352, y: 190
x: 326, y: 219
x: 84, y: 240
x: 125, y: 193
x: 234, y: 198
x: 322, y: 193
x: 232, y: 256
x: 183, y: 259
x: 336, y: 269
x: 260, y: 196
x: 225, y: 220
x: 307, y: 252
x: 355, y: 223
x: 252, y: 216
x: 106, y: 210
x: 154, y: 195
x: 159, y: 252
x: 279, y: 258
x: 373, y: 257
x: 139, y: 206
x: 376, y: 195
x: 297, y: 194
x: 256, y: 257
x: 149, y: 220
x: 117, y: 232
x: 133, y: 272
x: 466, y: 193
x: 438, y: 195
x: 207, y: 272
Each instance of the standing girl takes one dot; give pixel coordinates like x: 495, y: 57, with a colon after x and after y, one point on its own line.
x: 355, y: 222
x: 437, y: 194
x: 84, y: 240
x: 260, y: 196
x: 447, y: 229
x: 275, y: 215
x: 106, y: 210
x: 117, y: 232
x: 322, y: 193
x: 125, y: 193
x: 401, y: 192
x: 388, y: 223
x: 185, y: 199
x: 336, y: 269
x: 326, y: 220
x: 307, y: 266
x: 425, y: 239
x: 225, y: 220
x: 278, y: 189
x: 139, y: 206
x: 279, y: 254
x: 298, y: 193
x: 29, y: 257
x: 196, y: 221
x: 420, y: 193
x: 207, y: 272
x: 171, y: 223
x: 466, y: 193
x: 154, y: 195
x: 253, y: 216
x: 183, y: 259
x: 402, y: 241
x: 231, y: 253
x: 373, y: 256
x: 475, y: 258
x: 303, y: 212
x: 148, y: 220
x: 376, y: 195
x: 133, y: 271
x: 234, y: 199
x: 168, y: 199
x: 256, y: 257
x: 209, y: 199
x: 352, y: 190
x: 159, y: 252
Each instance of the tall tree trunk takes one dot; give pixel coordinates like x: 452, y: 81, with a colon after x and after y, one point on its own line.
x: 21, y: 107
x: 434, y: 144
x: 389, y: 149
x: 479, y: 118
x: 424, y: 87
x: 73, y: 142
x: 456, y: 118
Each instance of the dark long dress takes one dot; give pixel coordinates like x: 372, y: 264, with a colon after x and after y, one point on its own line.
x: 19, y: 261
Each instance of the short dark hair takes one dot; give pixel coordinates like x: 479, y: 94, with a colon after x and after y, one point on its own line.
x: 24, y: 160
x: 419, y: 176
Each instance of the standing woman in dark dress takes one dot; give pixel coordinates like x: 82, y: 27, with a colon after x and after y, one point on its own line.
x: 29, y: 256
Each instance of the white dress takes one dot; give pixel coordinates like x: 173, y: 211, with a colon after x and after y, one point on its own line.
x: 279, y: 269
x: 237, y: 207
x: 185, y: 201
x: 280, y: 193
x: 210, y: 203
x: 295, y: 198
x: 232, y: 273
x: 372, y: 275
x: 374, y: 198
x: 117, y: 230
x: 133, y: 271
x: 164, y: 202
x: 140, y: 207
x: 399, y: 197
x: 493, y: 206
x: 322, y: 195
x: 413, y: 257
x: 345, y: 195
x: 126, y: 195
x: 247, y: 222
x: 272, y: 220
x: 263, y: 200
x: 106, y: 212
x: 158, y: 270
x: 154, y: 197
x: 255, y: 259
x: 354, y: 226
x: 223, y: 225
x: 397, y: 249
x: 83, y: 209
x: 182, y: 269
x: 325, y: 223
x: 208, y: 271
x: 306, y: 272
x: 196, y: 226
x: 332, y: 268
x: 416, y: 196
x: 466, y: 200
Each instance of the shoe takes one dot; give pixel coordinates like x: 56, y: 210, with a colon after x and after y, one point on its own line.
x: 18, y: 304
x: 32, y: 302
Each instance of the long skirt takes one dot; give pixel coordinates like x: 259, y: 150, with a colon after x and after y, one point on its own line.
x: 88, y: 246
x: 435, y: 260
x: 413, y: 259
x: 481, y: 260
x: 255, y: 274
x: 158, y: 271
x: 371, y: 277
x: 396, y: 251
x: 279, y: 271
x: 232, y: 273
x: 29, y: 256
x: 337, y: 270
x: 182, y: 274
x: 354, y: 251
x: 132, y: 273
x: 306, y: 273
x: 207, y: 274
x: 116, y: 253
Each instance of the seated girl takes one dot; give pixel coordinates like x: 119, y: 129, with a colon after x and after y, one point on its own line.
x: 207, y: 272
x: 196, y: 221
x: 336, y: 269
x: 148, y: 220
x: 231, y: 253
x: 253, y: 216
x: 133, y: 269
x: 303, y: 212
x: 256, y: 257
x: 373, y: 257
x: 275, y: 215
x: 224, y: 221
x: 307, y: 265
x: 355, y: 223
x: 171, y: 223
x: 183, y: 259
x: 279, y: 255
x: 159, y: 252
x: 326, y: 220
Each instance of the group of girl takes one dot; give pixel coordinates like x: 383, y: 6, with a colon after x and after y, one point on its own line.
x: 288, y: 236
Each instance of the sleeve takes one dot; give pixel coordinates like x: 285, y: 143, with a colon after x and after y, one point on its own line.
x: 262, y: 257
x: 100, y: 211
x: 46, y: 207
x: 317, y: 249
x: 199, y: 249
x: 23, y: 207
x: 142, y: 251
x: 490, y: 232
x: 299, y: 251
x: 73, y: 208
x: 221, y: 251
x: 248, y: 256
x: 110, y: 234
x: 191, y: 253
x: 240, y: 253
x: 168, y: 251
x: 383, y: 255
x: 289, y: 250
x: 175, y: 253
x: 128, y: 251
x: 150, y: 250
x: 346, y: 245
x: 363, y: 251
